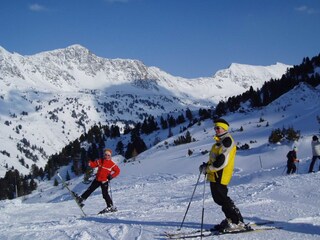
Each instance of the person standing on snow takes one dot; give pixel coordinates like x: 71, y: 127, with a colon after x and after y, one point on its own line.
x: 107, y: 170
x: 219, y: 170
x: 292, y: 159
x: 315, y: 146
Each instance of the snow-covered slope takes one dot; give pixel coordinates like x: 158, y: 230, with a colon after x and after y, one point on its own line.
x: 51, y: 98
x: 152, y: 193
x: 151, y: 204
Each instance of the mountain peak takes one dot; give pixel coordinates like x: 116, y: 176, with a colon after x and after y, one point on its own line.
x: 77, y: 48
x: 246, y: 75
x: 239, y: 66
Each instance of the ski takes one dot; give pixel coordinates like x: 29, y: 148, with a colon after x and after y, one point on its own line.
x: 72, y: 194
x: 108, y: 210
x: 252, y: 227
x: 251, y: 224
x: 216, y: 233
x: 77, y: 199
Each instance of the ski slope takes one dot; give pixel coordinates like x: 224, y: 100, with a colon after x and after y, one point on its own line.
x: 151, y: 204
x: 152, y: 193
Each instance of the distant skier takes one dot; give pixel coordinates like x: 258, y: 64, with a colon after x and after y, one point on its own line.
x: 315, y: 145
x: 219, y: 170
x: 107, y: 170
x: 292, y: 159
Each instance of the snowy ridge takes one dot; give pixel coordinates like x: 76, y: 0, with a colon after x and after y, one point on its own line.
x: 76, y: 68
x: 153, y: 192
x: 246, y: 75
x: 51, y: 98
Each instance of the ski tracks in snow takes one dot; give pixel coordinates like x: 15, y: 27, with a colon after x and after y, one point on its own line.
x: 150, y: 205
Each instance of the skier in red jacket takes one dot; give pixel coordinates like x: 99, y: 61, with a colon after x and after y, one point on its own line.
x: 107, y: 170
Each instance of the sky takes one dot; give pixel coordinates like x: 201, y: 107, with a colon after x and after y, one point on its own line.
x: 187, y: 38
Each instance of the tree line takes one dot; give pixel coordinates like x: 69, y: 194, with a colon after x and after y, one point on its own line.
x: 98, y: 134
x: 15, y: 184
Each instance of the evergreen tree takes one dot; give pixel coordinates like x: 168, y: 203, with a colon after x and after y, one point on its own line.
x: 115, y: 131
x: 204, y: 114
x: 183, y: 139
x: 75, y: 148
x: 102, y: 146
x: 180, y: 119
x: 164, y: 123
x: 153, y: 124
x: 276, y: 136
x: 149, y: 125
x: 106, y: 130
x: 127, y: 129
x: 33, y: 184
x: 4, y: 189
x: 145, y: 127
x: 189, y: 114
x: 119, y: 148
x: 188, y: 137
x: 292, y: 135
x: 129, y: 151
x: 171, y: 121
x: 95, y: 151
x: 137, y: 145
x: 34, y: 170
x: 221, y: 109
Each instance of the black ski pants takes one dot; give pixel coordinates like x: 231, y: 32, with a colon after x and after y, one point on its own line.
x: 291, y: 167
x: 314, y: 158
x: 220, y: 196
x: 104, y: 188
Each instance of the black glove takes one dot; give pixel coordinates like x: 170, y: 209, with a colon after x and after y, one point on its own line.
x: 203, y: 168
x: 109, y: 177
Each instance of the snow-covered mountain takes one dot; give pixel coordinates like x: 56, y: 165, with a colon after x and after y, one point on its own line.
x: 51, y: 98
x: 76, y: 68
x: 153, y: 192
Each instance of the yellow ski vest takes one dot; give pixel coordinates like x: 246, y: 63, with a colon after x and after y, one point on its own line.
x: 223, y: 173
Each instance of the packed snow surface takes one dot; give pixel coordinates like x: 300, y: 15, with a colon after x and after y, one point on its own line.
x: 153, y: 192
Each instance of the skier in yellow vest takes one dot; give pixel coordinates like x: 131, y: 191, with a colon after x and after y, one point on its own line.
x: 219, y: 170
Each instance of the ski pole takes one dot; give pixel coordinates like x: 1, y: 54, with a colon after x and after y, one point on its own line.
x: 260, y: 162
x: 195, y: 187
x: 202, y: 216
x: 285, y: 167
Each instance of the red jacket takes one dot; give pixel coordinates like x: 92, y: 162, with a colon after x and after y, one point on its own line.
x: 105, y: 167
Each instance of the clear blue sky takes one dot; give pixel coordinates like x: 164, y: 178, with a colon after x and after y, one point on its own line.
x: 188, y: 38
